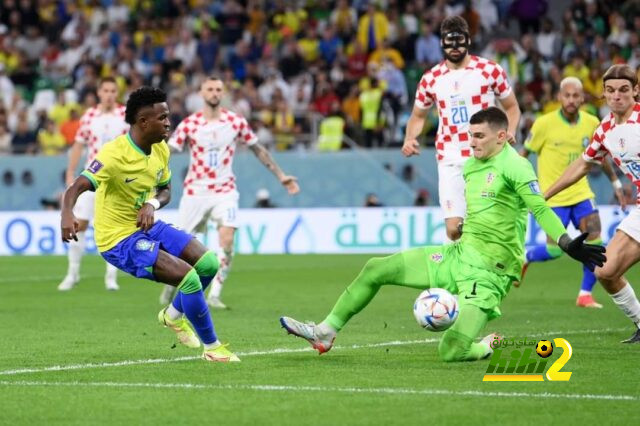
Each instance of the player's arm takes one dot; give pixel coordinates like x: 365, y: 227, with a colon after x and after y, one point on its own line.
x: 68, y: 223
x: 74, y: 158
x: 512, y: 110
x: 590, y: 255
x: 415, y: 124
x: 288, y: 181
x: 146, y: 214
x: 615, y: 182
x: 576, y: 171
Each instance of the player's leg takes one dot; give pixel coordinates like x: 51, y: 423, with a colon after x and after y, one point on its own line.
x: 83, y: 211
x: 151, y: 254
x: 192, y: 217
x: 458, y: 343
x: 451, y: 198
x: 623, y: 251
x: 225, y: 214
x: 480, y: 293
x: 586, y: 218
x: 418, y: 268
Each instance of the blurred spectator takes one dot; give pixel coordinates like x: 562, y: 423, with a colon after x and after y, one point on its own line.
x: 528, y: 14
x: 371, y: 200
x: 331, y: 130
x: 24, y: 140
x: 386, y: 51
x: 370, y: 104
x: 344, y: 18
x: 373, y: 28
x: 422, y: 198
x: 5, y: 140
x: 283, y: 125
x: 69, y: 127
x: 428, y: 52
x: 61, y: 110
x: 263, y: 200
x: 50, y: 140
x: 7, y: 88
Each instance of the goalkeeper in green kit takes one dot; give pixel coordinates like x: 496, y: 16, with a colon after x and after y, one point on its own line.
x: 500, y: 186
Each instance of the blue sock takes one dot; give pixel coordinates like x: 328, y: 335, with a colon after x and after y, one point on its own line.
x: 177, y: 300
x: 197, y: 312
x: 588, y: 279
x: 543, y: 252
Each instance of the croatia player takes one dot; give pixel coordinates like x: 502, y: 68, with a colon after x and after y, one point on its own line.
x: 98, y: 125
x: 558, y: 138
x: 209, y: 188
x: 460, y: 86
x: 619, y: 136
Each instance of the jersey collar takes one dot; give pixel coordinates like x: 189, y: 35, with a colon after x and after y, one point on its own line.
x: 133, y: 144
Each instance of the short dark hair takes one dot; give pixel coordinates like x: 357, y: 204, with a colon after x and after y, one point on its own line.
x: 493, y: 116
x: 141, y: 98
x: 107, y: 79
x: 621, y: 72
x: 454, y: 24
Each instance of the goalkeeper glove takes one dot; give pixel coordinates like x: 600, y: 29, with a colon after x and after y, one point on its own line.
x: 589, y: 254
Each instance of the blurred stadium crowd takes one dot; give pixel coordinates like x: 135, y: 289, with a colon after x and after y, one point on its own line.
x: 301, y: 70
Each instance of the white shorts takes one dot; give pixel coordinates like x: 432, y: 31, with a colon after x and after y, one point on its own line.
x: 630, y: 225
x: 451, y: 191
x: 196, y: 210
x: 85, y: 204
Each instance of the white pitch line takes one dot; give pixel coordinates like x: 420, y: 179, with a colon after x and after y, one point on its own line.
x: 264, y: 352
x: 190, y: 358
x: 326, y: 389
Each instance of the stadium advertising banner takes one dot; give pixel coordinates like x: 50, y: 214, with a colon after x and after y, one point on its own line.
x: 262, y: 231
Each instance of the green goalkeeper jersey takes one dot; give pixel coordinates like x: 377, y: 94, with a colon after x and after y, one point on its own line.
x: 499, y: 191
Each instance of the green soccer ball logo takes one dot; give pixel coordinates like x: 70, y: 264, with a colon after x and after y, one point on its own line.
x: 544, y: 348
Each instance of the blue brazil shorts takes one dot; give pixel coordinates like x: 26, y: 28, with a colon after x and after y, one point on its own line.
x: 575, y: 212
x: 137, y: 253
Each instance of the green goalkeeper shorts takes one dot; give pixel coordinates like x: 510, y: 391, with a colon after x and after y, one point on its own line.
x: 473, y: 285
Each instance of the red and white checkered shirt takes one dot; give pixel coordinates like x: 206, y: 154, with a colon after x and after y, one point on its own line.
x: 212, y: 144
x: 458, y: 94
x: 98, y: 127
x: 622, y: 141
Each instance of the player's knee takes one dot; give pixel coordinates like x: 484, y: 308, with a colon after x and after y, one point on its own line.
x: 207, y: 265
x: 190, y: 283
x: 607, y: 275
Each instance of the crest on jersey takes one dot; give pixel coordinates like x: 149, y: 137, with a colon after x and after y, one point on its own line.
x: 622, y: 143
x: 490, y: 177
x: 95, y: 166
x: 535, y: 188
x: 456, y: 86
x: 436, y: 257
x: 145, y: 245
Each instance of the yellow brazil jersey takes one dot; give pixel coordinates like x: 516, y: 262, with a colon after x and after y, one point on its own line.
x: 557, y: 143
x: 124, y: 177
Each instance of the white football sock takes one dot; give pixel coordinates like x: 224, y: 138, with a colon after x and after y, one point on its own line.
x: 112, y: 272
x: 173, y: 313
x: 216, y: 288
x: 76, y: 250
x: 628, y: 303
x: 212, y: 345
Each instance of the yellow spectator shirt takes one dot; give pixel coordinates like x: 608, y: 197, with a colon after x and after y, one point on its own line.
x: 557, y: 143
x: 124, y: 177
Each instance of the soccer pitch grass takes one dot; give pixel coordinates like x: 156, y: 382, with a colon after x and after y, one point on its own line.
x: 95, y: 357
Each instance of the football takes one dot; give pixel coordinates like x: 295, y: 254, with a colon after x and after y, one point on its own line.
x: 544, y: 348
x: 435, y: 309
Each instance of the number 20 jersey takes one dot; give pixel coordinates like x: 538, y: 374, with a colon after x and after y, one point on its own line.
x: 458, y: 94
